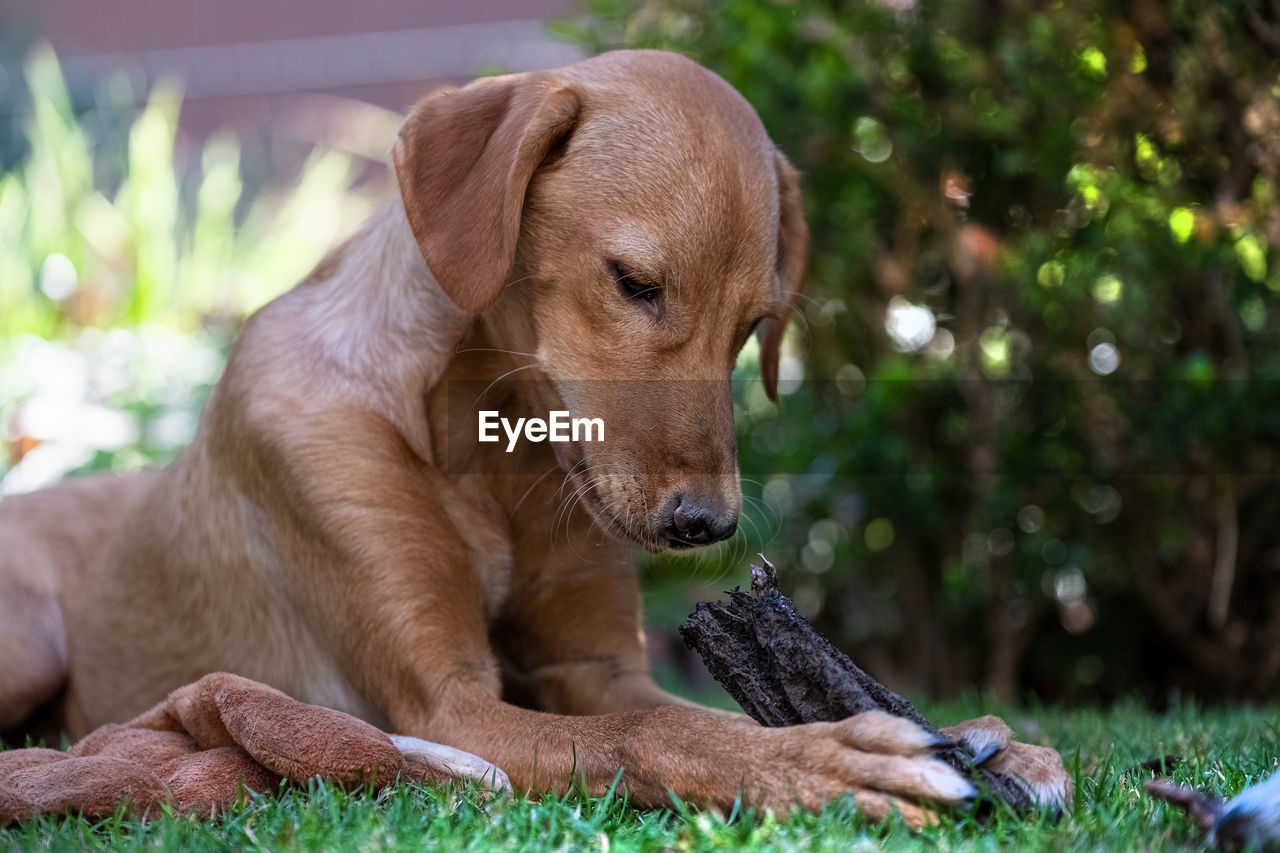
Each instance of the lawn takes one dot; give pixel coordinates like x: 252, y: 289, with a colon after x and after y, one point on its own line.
x: 1223, y: 750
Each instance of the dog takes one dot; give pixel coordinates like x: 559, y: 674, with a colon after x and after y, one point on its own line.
x: 600, y: 239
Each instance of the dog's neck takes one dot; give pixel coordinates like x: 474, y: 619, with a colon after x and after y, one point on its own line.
x: 381, y: 302
x: 373, y: 311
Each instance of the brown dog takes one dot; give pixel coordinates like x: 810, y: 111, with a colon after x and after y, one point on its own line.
x: 609, y: 234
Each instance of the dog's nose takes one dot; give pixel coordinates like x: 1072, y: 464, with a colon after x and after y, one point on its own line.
x: 697, y: 522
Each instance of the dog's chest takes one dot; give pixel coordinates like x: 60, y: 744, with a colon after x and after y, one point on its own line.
x: 489, y: 546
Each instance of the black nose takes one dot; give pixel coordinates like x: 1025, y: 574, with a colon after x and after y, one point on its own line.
x: 695, y: 522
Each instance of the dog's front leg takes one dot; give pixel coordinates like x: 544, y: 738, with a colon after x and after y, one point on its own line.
x: 705, y: 759
x: 573, y: 635
x: 428, y: 664
x: 571, y: 630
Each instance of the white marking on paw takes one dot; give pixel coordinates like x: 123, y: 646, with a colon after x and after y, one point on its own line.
x: 453, y: 762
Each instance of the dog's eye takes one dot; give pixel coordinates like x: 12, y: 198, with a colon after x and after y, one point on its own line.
x: 636, y: 287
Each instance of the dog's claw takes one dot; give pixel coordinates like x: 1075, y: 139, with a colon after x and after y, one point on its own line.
x: 948, y: 785
x: 984, y: 754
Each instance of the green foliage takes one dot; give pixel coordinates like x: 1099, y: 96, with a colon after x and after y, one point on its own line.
x: 1102, y: 748
x: 1058, y: 474
x: 126, y: 228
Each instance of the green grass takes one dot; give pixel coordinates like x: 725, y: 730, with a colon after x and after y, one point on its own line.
x: 1225, y: 750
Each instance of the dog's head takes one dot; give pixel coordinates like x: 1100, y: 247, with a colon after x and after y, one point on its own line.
x: 629, y: 221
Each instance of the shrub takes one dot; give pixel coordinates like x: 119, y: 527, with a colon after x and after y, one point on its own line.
x: 1038, y: 440
x: 110, y: 221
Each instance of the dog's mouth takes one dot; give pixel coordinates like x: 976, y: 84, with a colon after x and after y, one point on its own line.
x: 583, y: 482
x: 609, y: 522
x: 604, y: 516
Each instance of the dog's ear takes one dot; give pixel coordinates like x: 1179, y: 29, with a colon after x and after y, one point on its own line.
x: 793, y: 253
x: 463, y: 160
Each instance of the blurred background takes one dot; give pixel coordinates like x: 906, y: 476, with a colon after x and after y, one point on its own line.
x: 1029, y: 435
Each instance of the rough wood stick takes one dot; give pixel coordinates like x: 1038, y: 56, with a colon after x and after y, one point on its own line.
x: 783, y: 672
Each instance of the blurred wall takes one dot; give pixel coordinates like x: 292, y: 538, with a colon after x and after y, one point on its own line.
x: 242, y: 62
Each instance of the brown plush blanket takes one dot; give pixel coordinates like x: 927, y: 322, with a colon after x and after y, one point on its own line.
x: 210, y: 743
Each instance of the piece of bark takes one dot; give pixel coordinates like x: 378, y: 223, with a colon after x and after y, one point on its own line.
x: 784, y: 673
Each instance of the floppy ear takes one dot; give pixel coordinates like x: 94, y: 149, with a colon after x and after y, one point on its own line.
x: 793, y: 254
x: 463, y: 160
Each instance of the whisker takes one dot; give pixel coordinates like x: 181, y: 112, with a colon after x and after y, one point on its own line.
x: 566, y: 513
x: 499, y: 379
x: 529, y: 491
x: 520, y: 280
x: 494, y: 349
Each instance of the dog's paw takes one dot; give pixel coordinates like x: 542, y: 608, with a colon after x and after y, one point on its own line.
x: 1038, y: 769
x: 886, y: 762
x: 440, y: 762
